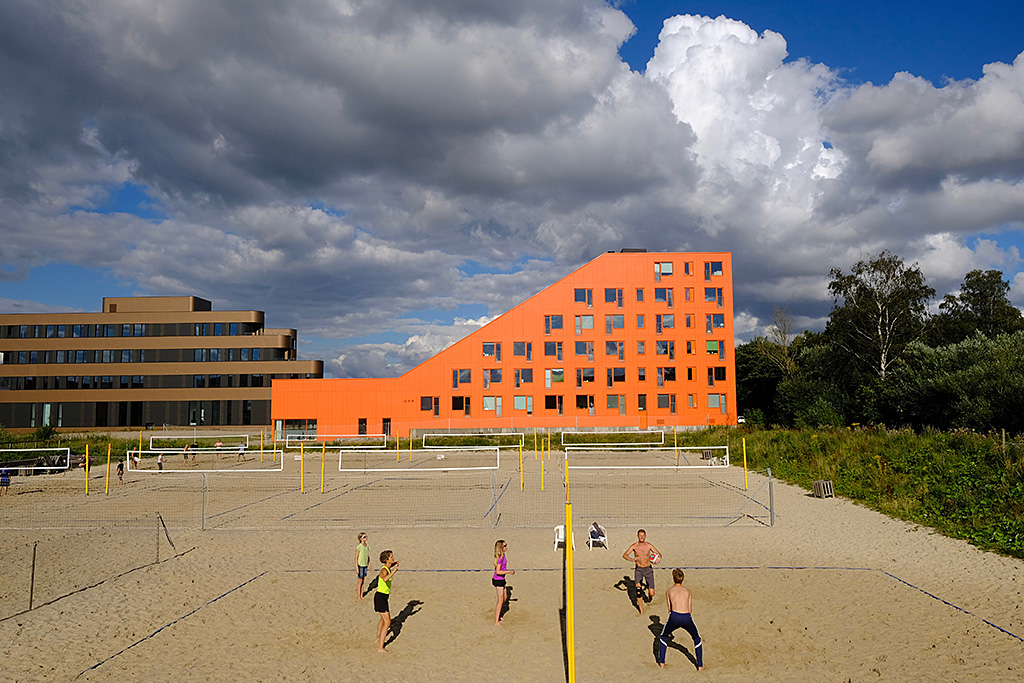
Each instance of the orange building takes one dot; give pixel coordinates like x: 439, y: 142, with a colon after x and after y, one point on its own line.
x: 630, y: 340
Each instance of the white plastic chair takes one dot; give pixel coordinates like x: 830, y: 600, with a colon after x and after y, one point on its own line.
x: 597, y: 535
x: 560, y: 537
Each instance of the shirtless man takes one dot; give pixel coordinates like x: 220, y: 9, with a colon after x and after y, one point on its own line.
x: 679, y: 601
x: 643, y: 572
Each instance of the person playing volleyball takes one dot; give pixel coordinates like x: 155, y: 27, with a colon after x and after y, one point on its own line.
x: 644, y: 571
x: 679, y: 599
x: 501, y: 570
x: 383, y: 595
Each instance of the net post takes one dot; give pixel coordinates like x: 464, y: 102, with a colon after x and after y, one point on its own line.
x: 771, y: 497
x: 87, y: 469
x: 261, y: 447
x: 542, y: 473
x: 675, y: 443
x: 534, y: 443
x: 744, y: 463
x: 520, y: 467
x: 570, y: 611
x: 302, y: 468
x: 323, y: 465
x: 106, y: 487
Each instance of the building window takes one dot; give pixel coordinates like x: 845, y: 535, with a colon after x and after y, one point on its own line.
x: 641, y: 374
x: 691, y: 401
x: 662, y: 268
x: 714, y: 294
x: 491, y: 375
x: 712, y: 268
x: 716, y: 348
x: 615, y: 375
x: 641, y: 348
x: 665, y: 348
x: 641, y: 402
x: 584, y: 296
x: 666, y: 375
x: 667, y: 401
x: 492, y: 350
x: 585, y: 349
x: 552, y: 322
x: 688, y: 294
x: 613, y: 296
x: 585, y: 402
x: 553, y: 349
x: 615, y: 348
x: 689, y: 320
x: 523, y: 376
x: 640, y: 321
x: 523, y: 349
x: 614, y: 322
x: 584, y: 375
x: 663, y: 322
x: 715, y: 320
x: 640, y: 294
x: 584, y: 322
x: 664, y: 295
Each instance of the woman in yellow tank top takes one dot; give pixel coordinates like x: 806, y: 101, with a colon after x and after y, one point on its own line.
x: 389, y: 565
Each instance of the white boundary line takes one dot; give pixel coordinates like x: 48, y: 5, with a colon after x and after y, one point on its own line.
x: 280, y: 467
x: 56, y: 468
x: 521, y: 435
x: 430, y: 470
x: 620, y: 443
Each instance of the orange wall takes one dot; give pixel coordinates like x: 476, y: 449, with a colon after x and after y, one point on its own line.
x: 337, y: 404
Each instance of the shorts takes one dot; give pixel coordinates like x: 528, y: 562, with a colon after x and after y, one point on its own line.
x: 500, y: 583
x: 363, y: 569
x: 380, y: 602
x: 646, y: 575
x: 4, y: 482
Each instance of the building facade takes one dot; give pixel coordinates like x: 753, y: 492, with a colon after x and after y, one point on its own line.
x: 630, y: 340
x: 143, y: 361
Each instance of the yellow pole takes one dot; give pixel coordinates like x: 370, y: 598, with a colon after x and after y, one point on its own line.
x: 140, y: 440
x: 323, y: 466
x: 570, y: 610
x: 542, y: 474
x: 534, y: 443
x: 87, y: 469
x: 675, y: 444
x: 302, y: 468
x: 744, y: 463
x: 398, y: 448
x: 410, y: 445
x: 261, y: 447
x: 106, y: 487
x: 520, y: 467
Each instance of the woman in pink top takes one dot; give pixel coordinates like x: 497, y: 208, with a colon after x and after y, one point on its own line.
x: 498, y: 580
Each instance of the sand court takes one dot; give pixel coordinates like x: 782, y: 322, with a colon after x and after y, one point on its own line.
x: 832, y: 592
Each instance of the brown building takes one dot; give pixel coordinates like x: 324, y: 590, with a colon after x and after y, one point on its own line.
x: 143, y: 361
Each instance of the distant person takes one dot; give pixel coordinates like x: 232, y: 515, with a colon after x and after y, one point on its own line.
x: 362, y: 562
x: 136, y: 461
x: 498, y: 580
x: 218, y: 446
x: 185, y: 452
x: 241, y: 452
x: 383, y: 595
x: 643, y: 573
x: 160, y: 461
x: 5, y: 481
x: 679, y: 601
x: 120, y: 471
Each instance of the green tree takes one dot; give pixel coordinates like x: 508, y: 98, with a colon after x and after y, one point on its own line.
x: 880, y: 307
x: 981, y: 305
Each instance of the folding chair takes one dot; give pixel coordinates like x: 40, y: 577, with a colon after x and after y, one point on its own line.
x: 560, y: 537
x: 597, y: 535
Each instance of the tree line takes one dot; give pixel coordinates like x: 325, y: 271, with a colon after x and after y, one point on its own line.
x: 884, y: 358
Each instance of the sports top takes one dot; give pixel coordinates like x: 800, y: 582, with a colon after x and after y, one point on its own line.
x: 385, y: 586
x: 503, y: 565
x: 363, y: 555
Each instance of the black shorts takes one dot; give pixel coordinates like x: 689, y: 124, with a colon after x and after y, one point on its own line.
x: 500, y: 583
x: 380, y: 602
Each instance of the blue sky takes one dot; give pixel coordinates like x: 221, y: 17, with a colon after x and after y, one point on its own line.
x: 386, y: 180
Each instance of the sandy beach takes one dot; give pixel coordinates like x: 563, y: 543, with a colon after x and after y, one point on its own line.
x: 832, y: 592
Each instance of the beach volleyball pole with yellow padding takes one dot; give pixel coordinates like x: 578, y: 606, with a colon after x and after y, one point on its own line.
x: 302, y: 468
x: 86, y: 469
x: 106, y: 485
x: 570, y: 610
x: 323, y: 465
